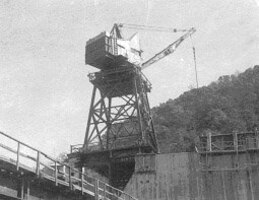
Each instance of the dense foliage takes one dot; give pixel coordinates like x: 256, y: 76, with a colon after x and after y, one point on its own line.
x: 227, y: 105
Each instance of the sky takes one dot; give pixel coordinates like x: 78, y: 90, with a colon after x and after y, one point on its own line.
x: 44, y: 89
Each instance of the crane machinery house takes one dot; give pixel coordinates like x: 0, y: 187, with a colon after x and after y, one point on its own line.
x: 106, y: 49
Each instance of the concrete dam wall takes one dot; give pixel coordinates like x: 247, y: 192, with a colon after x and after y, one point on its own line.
x: 193, y: 176
x: 165, y: 176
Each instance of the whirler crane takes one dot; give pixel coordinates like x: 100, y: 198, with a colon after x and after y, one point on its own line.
x: 121, y: 77
x: 119, y: 123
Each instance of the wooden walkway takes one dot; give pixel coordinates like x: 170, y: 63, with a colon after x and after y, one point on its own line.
x: 16, y: 156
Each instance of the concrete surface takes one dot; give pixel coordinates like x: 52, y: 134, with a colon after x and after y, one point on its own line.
x: 183, y: 176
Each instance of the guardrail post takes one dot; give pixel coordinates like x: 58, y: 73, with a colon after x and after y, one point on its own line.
x: 22, y: 189
x: 96, y: 189
x: 104, y: 192
x: 56, y: 174
x: 235, y: 141
x: 209, y: 141
x: 82, y: 183
x: 38, y: 164
x: 18, y: 156
x: 69, y: 176
x: 28, y: 191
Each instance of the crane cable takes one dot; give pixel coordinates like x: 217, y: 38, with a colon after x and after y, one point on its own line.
x: 195, y: 63
x: 150, y: 28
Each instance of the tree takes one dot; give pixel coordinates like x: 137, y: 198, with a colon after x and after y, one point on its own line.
x: 231, y: 103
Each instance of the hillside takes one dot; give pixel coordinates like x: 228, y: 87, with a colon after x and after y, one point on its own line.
x: 229, y: 104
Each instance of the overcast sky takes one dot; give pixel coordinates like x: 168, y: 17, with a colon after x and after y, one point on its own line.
x: 44, y: 90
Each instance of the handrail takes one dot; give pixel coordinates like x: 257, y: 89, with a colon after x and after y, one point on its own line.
x: 231, y: 145
x: 68, y: 176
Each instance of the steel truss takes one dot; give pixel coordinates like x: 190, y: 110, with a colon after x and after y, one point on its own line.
x: 119, y: 115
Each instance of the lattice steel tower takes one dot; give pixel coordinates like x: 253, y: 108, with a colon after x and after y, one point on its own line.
x: 119, y: 116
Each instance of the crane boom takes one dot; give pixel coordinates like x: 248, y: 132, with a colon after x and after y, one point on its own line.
x: 150, y: 28
x: 168, y: 50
